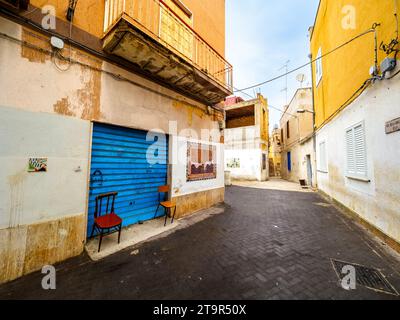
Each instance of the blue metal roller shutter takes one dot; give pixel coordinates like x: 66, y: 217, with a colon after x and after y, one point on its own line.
x: 119, y: 164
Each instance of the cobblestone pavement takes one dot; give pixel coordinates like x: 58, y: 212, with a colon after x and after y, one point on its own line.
x: 267, y: 244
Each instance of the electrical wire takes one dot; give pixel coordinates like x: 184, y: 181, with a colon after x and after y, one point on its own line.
x: 25, y: 14
x: 269, y: 106
x: 392, y: 76
x: 353, y: 97
x: 396, y: 13
x: 109, y: 73
x: 61, y: 57
x: 373, y: 29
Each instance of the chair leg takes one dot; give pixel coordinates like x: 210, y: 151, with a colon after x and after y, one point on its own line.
x: 158, y: 207
x: 94, y: 226
x: 101, y: 238
x: 166, y: 216
x: 119, y: 233
x: 173, y: 216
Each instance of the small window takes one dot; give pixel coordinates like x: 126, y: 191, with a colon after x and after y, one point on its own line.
x: 282, y: 135
x: 264, y: 161
x: 318, y: 67
x: 356, y: 156
x: 322, y: 157
x: 287, y: 129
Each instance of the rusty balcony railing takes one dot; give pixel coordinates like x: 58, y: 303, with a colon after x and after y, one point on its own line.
x: 158, y: 20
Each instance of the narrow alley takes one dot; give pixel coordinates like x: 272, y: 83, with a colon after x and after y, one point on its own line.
x: 273, y: 241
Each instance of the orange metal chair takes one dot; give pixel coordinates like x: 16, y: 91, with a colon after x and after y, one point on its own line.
x: 167, y: 205
x: 109, y: 222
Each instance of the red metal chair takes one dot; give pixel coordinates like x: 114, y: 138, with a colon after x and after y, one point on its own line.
x: 109, y: 222
x: 167, y: 205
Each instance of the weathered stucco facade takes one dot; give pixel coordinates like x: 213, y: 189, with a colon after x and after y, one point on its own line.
x: 275, y: 150
x: 246, y: 140
x: 358, y: 159
x: 298, y: 154
x: 48, y: 106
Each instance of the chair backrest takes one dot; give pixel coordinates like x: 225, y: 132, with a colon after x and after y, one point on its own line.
x: 105, y: 201
x: 163, y: 189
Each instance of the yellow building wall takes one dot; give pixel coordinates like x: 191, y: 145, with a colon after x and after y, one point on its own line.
x: 264, y: 118
x: 208, y: 17
x: 345, y: 70
x: 209, y: 21
x: 275, y: 152
x: 88, y: 16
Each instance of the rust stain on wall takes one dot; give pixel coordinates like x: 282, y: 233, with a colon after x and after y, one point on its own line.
x: 25, y: 249
x: 50, y: 242
x: 12, y: 252
x: 16, y: 183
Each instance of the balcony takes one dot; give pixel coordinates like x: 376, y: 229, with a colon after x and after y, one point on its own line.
x: 163, y: 44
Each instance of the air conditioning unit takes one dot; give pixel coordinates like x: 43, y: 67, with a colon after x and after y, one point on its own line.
x: 15, y: 4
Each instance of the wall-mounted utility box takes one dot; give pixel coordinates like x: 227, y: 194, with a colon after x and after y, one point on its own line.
x: 388, y: 65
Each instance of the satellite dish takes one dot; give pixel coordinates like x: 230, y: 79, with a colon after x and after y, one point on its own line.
x: 301, y: 78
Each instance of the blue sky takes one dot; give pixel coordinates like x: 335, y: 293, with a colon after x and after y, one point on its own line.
x: 262, y: 35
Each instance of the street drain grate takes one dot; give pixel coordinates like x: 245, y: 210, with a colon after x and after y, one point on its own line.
x: 367, y: 277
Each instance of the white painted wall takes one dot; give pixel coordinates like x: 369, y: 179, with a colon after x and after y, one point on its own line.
x: 31, y: 197
x: 377, y: 201
x: 245, y: 144
x: 250, y: 164
x: 179, y: 184
x: 299, y: 154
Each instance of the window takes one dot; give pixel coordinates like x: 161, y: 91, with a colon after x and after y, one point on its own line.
x: 282, y: 135
x: 356, y: 156
x: 289, y: 161
x: 264, y: 161
x: 287, y: 129
x: 318, y: 67
x: 322, y: 157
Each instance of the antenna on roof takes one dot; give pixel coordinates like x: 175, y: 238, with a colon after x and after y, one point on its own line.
x: 301, y: 78
x: 285, y: 66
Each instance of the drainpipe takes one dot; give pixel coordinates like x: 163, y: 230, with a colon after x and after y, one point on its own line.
x: 314, y: 133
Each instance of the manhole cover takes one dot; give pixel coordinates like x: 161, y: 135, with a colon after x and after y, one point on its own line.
x: 367, y: 277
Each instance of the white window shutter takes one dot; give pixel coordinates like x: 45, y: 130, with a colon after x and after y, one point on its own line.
x: 351, y: 165
x: 318, y: 67
x: 322, y: 156
x: 356, y: 155
x: 360, y: 150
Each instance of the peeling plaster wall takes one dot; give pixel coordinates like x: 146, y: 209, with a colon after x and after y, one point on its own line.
x: 47, y: 111
x: 378, y: 201
x: 28, y: 77
x: 42, y: 215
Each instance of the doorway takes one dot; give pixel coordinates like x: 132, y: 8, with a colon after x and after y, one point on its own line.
x: 309, y: 170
